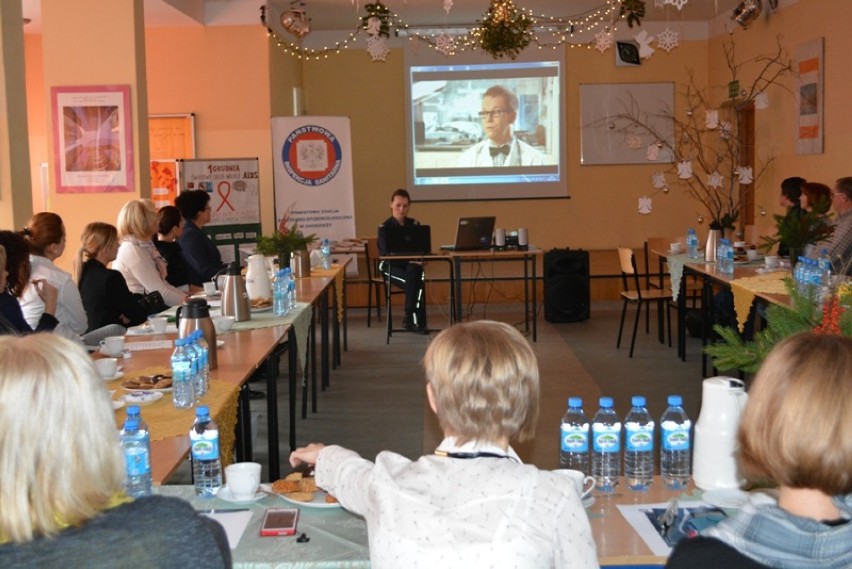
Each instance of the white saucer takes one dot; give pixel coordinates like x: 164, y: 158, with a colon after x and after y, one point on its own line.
x: 116, y: 405
x: 118, y: 375
x: 588, y: 501
x: 225, y: 494
x: 726, y: 498
x: 143, y: 397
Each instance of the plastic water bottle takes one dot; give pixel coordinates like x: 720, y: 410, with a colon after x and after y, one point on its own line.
x: 638, y: 446
x: 325, y: 249
x: 606, y: 447
x: 691, y: 244
x: 194, y: 356
x: 574, y: 447
x: 206, y: 463
x: 202, y: 382
x: 136, y: 447
x: 675, y: 444
x: 279, y: 294
x: 291, y: 289
x: 824, y: 263
x: 183, y: 387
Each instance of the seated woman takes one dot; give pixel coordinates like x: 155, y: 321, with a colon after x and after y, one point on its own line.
x: 815, y: 196
x: 795, y: 431
x: 138, y: 260
x: 63, y: 476
x: 14, y: 278
x: 471, y: 503
x: 170, y: 227
x: 45, y: 235
x: 203, y: 259
x: 104, y: 291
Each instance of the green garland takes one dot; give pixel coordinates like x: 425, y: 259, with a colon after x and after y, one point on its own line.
x: 504, y: 31
x: 635, y: 10
x: 381, y: 12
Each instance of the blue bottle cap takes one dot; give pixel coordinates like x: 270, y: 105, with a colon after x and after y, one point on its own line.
x: 575, y: 402
x: 675, y: 400
x: 202, y: 411
x: 131, y: 424
x: 605, y: 402
x: 637, y: 400
x: 132, y: 410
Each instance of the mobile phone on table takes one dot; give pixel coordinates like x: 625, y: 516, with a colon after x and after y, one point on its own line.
x: 279, y: 521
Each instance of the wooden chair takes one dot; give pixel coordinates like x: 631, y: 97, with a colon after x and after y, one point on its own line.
x: 374, y: 278
x: 638, y: 296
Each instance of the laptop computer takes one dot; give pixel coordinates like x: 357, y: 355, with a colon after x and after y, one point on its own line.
x: 407, y: 239
x: 472, y: 233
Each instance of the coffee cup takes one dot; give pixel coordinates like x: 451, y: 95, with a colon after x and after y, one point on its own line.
x: 676, y: 247
x: 107, y: 367
x: 158, y: 324
x: 243, y: 478
x: 771, y: 261
x: 223, y: 323
x: 752, y: 254
x: 112, y: 345
x: 210, y: 288
x: 583, y: 484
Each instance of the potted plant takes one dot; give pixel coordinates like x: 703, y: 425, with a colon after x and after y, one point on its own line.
x: 284, y: 240
x: 798, y: 231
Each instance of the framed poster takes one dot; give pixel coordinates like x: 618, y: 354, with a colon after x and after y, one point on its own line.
x: 92, y: 143
x: 171, y: 137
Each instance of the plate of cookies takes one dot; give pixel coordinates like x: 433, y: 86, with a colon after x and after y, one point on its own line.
x: 301, y: 490
x: 261, y: 304
x: 153, y: 382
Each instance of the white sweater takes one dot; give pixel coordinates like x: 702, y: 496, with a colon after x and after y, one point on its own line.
x: 69, y: 305
x: 140, y: 272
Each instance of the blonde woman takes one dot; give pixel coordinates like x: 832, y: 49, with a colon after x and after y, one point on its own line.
x: 138, y: 260
x: 796, y: 431
x: 45, y: 236
x: 471, y: 503
x: 104, y: 291
x: 62, y: 473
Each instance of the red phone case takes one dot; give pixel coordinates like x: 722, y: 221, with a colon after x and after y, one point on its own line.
x: 268, y: 530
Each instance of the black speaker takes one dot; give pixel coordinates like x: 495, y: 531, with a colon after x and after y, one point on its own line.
x: 567, y: 295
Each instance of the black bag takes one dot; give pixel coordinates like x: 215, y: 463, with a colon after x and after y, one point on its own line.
x: 153, y: 302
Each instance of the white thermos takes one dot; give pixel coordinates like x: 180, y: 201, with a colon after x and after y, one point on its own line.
x: 714, y: 459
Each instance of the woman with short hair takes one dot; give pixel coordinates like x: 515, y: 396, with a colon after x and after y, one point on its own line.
x: 815, y: 196
x: 45, y: 236
x: 138, y: 260
x: 104, y: 291
x: 63, y: 475
x: 202, y: 257
x: 169, y: 229
x: 471, y: 503
x: 796, y: 431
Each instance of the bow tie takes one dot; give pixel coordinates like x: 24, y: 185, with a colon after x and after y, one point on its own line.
x: 498, y: 150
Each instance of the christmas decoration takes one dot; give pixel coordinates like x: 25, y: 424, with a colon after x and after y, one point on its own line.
x: 745, y: 174
x: 761, y: 101
x: 679, y: 4
x: 505, y: 30
x: 645, y: 205
x: 652, y: 153
x: 711, y: 118
x: 448, y: 5
x: 644, y: 41
x: 445, y: 44
x: 659, y: 180
x: 377, y: 47
x: 715, y: 180
x: 634, y: 142
x: 376, y: 12
x: 634, y: 10
x: 668, y: 40
x: 603, y: 40
x: 684, y: 170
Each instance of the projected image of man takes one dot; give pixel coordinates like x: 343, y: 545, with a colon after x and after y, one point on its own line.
x: 500, y: 147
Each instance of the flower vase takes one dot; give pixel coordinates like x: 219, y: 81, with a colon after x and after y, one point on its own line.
x: 713, y: 237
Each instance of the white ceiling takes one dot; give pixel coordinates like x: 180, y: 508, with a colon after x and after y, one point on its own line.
x: 343, y: 14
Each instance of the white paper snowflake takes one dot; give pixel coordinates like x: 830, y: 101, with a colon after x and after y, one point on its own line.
x: 684, y: 170
x: 677, y: 3
x: 668, y: 40
x: 377, y: 47
x: 634, y: 142
x: 646, y: 205
x: 761, y: 101
x: 445, y: 44
x: 715, y: 180
x: 711, y: 118
x: 745, y: 174
x: 603, y: 40
x: 659, y: 180
x: 644, y: 41
x: 373, y: 26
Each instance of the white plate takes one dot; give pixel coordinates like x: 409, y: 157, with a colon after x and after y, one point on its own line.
x: 118, y: 375
x: 116, y: 405
x: 588, y: 501
x: 317, y: 502
x: 262, y: 309
x: 143, y: 397
x: 225, y: 494
x: 143, y: 389
x: 732, y: 498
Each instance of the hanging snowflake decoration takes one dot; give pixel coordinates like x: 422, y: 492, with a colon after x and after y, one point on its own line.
x: 603, y: 40
x: 761, y: 101
x: 679, y: 4
x: 745, y: 174
x: 445, y: 44
x: 668, y: 40
x: 634, y: 142
x: 711, y: 118
x: 448, y: 5
x: 658, y: 179
x: 646, y: 205
x: 725, y: 130
x: 644, y: 41
x: 715, y: 180
x: 684, y: 170
x: 377, y: 47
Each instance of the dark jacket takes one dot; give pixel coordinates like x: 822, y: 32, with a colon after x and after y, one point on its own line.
x: 391, y: 222
x: 106, y: 297
x: 177, y: 272
x: 203, y: 259
x: 12, y: 318
x: 710, y: 553
x: 794, y: 210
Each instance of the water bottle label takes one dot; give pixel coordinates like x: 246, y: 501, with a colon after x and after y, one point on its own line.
x: 675, y: 437
x: 606, y: 438
x: 205, y: 449
x: 575, y: 438
x: 138, y: 460
x: 639, y: 437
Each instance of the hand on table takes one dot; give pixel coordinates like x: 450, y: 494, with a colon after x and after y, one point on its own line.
x: 307, y: 455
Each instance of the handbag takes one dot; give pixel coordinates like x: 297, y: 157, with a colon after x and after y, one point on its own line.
x: 152, y: 301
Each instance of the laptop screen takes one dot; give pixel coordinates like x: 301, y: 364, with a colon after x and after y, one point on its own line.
x: 407, y: 239
x: 474, y: 233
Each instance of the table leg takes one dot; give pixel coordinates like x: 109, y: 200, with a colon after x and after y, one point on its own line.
x: 681, y: 317
x: 534, y: 296
x: 243, y: 434
x: 293, y: 367
x: 335, y: 330
x: 457, y: 273
x: 272, y: 408
x: 324, y: 346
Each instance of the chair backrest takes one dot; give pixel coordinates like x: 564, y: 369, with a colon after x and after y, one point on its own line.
x: 628, y: 269
x: 652, y: 260
x: 371, y: 252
